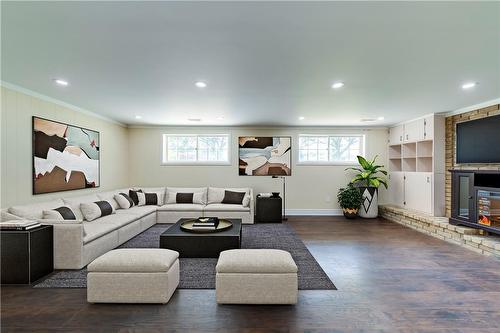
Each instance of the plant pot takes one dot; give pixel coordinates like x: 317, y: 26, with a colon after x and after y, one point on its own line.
x: 350, y: 213
x: 369, y: 205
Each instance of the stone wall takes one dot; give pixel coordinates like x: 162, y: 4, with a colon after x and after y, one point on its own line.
x: 451, y: 121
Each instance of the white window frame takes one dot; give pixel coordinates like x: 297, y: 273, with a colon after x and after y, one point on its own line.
x: 164, y: 150
x: 348, y: 163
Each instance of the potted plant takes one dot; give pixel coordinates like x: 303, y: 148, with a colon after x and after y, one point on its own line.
x: 368, y: 179
x: 349, y: 200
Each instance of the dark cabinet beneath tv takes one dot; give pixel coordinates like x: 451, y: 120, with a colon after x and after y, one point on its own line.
x: 475, y: 199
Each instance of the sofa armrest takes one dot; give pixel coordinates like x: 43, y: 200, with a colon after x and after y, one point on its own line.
x: 68, y: 243
x: 6, y: 216
x: 252, y: 204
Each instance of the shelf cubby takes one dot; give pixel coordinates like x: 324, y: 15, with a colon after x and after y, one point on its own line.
x: 395, y: 164
x: 395, y: 151
x: 424, y: 164
x: 409, y: 164
x: 424, y: 148
x: 409, y: 150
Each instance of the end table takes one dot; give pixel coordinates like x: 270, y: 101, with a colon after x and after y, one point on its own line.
x: 269, y: 209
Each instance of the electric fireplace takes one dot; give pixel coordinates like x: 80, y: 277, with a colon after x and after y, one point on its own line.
x: 475, y: 199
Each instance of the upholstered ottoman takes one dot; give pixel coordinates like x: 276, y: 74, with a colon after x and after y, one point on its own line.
x: 248, y: 276
x: 133, y: 276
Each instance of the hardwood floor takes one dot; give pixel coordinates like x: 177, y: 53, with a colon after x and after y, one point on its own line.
x: 389, y: 279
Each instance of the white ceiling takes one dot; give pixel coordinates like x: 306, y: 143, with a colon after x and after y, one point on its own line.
x: 265, y: 63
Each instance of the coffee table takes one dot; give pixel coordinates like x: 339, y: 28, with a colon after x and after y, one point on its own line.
x: 197, y: 245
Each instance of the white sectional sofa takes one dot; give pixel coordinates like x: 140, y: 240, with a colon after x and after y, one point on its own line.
x: 77, y: 243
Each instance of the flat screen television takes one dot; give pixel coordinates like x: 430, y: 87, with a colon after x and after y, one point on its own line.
x: 478, y: 141
x: 265, y: 155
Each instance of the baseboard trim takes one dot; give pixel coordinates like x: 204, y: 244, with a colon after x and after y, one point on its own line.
x: 314, y: 212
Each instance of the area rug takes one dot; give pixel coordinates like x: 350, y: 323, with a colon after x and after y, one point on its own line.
x: 199, y: 273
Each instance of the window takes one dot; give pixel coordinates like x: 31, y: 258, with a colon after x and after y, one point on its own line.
x: 196, y: 149
x: 330, y: 149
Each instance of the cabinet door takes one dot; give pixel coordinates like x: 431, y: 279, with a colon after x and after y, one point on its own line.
x: 418, y: 191
x: 428, y: 128
x: 396, y: 188
x: 396, y: 134
x: 414, y: 131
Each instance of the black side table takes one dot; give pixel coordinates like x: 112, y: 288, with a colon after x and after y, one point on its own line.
x: 26, y: 256
x: 269, y: 209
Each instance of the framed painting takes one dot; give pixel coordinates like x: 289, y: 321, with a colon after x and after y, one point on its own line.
x: 265, y: 156
x: 65, y: 157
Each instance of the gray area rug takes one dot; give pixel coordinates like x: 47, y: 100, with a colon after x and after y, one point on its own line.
x: 199, y: 273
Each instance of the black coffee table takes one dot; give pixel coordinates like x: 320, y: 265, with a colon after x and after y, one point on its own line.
x: 195, y: 245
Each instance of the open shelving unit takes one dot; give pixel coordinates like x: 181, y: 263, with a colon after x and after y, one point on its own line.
x: 412, y: 156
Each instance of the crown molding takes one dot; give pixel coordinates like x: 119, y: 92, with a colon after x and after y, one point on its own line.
x: 474, y: 107
x: 46, y: 98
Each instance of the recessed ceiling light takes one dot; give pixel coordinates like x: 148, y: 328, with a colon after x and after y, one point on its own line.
x: 61, y: 82
x: 220, y: 118
x: 337, y: 85
x: 380, y: 118
x: 302, y: 118
x: 194, y: 119
x: 469, y: 85
x: 368, y: 120
x: 200, y: 84
x: 138, y: 117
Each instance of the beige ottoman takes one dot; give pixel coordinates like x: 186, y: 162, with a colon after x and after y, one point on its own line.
x: 250, y: 276
x: 133, y: 276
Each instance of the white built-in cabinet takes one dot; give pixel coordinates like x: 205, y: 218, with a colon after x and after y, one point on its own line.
x: 417, y: 165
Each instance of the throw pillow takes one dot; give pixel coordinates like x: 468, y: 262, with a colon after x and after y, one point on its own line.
x: 153, y: 199
x: 184, y: 198
x: 235, y: 198
x: 124, y: 201
x: 133, y: 195
x: 141, y: 198
x: 62, y: 213
x: 94, y: 210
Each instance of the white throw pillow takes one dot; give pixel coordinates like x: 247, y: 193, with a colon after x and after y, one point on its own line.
x: 141, y: 196
x: 94, y: 210
x: 124, y: 201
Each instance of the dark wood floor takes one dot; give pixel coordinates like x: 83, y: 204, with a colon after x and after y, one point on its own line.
x: 390, y: 279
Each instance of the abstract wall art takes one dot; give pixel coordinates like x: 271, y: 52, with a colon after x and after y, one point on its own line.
x: 65, y: 157
x: 265, y: 156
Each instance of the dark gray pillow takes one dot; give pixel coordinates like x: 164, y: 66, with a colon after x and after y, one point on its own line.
x: 184, y: 198
x: 234, y: 198
x: 133, y: 195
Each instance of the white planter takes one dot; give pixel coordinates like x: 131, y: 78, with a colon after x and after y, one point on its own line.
x: 369, y: 206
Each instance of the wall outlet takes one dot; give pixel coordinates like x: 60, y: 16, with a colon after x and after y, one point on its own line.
x: 328, y: 198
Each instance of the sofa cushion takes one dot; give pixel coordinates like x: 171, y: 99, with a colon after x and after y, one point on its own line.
x: 225, y: 208
x: 182, y: 207
x: 199, y: 194
x: 110, y: 197
x: 216, y: 194
x: 34, y: 211
x: 75, y: 202
x: 138, y: 211
x: 134, y: 261
x: 259, y: 261
x: 105, y: 225
x: 123, y: 200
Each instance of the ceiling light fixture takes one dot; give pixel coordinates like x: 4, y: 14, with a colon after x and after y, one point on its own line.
x: 61, y: 82
x: 337, y: 85
x: 200, y: 84
x: 302, y: 118
x: 138, y: 117
x: 194, y: 119
x: 368, y: 120
x: 220, y: 118
x: 380, y: 118
x: 469, y: 85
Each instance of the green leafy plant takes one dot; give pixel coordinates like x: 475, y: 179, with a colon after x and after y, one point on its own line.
x: 349, y: 197
x: 369, y: 174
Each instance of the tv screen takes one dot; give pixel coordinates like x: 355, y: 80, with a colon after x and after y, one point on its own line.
x: 265, y: 155
x: 478, y: 141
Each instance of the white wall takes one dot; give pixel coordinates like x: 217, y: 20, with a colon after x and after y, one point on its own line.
x: 309, y: 187
x: 16, y: 153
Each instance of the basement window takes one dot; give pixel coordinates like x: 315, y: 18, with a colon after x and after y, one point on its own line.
x: 195, y: 149
x: 330, y: 149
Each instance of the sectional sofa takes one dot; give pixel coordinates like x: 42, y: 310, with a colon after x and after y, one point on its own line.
x: 77, y: 243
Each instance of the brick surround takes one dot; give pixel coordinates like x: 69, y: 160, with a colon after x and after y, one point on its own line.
x: 451, y: 121
x: 440, y: 227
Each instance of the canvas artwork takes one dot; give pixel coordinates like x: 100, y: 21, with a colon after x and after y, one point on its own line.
x: 265, y: 156
x: 65, y: 157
